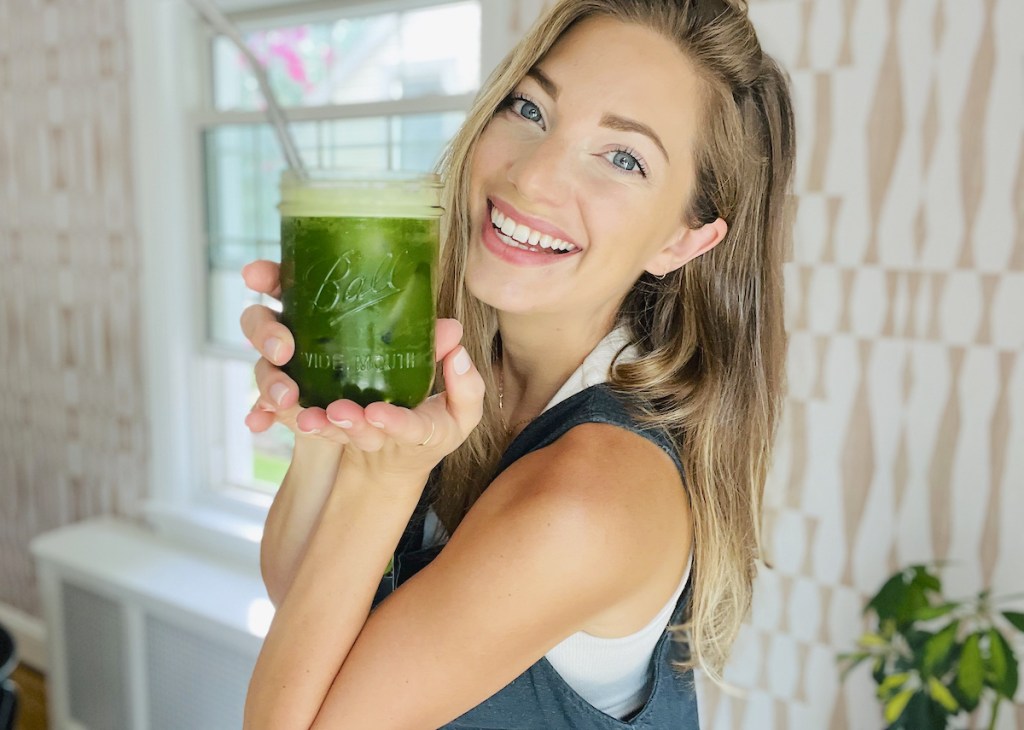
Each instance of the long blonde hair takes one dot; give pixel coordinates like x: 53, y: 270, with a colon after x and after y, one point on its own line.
x: 711, y: 336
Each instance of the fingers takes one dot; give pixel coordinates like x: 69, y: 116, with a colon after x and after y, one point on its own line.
x: 277, y: 391
x: 464, y: 390
x: 259, y: 420
x: 447, y: 337
x: 271, y: 338
x: 314, y: 420
x: 263, y: 277
x: 359, y: 425
x: 409, y: 427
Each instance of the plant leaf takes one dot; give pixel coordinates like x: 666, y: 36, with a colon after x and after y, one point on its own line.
x: 1002, y: 665
x: 868, y: 640
x: 916, y: 638
x: 890, y: 597
x: 932, y: 612
x: 903, y: 594
x: 938, y: 648
x: 895, y: 707
x: 926, y: 580
x: 892, y: 683
x: 941, y: 694
x: 1016, y: 618
x: 878, y: 670
x: 970, y: 677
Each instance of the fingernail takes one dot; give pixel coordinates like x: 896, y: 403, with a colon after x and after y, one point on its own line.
x: 311, y: 431
x: 462, y: 362
x: 278, y: 391
x: 341, y: 424
x: 377, y: 424
x: 271, y: 348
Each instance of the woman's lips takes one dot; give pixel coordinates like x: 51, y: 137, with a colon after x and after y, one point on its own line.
x: 536, y: 224
x: 514, y: 255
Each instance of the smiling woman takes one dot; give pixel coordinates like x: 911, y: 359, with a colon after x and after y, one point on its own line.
x: 573, y: 568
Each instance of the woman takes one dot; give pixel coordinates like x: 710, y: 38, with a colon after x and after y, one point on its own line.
x: 599, y: 441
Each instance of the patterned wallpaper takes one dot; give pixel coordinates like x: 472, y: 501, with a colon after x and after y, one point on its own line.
x: 72, y: 440
x: 903, y: 433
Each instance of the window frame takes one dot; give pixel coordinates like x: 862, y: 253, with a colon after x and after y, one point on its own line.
x: 170, y: 103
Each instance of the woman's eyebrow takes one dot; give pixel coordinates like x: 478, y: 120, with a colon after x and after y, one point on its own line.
x: 622, y: 124
x: 549, y: 86
x: 610, y: 121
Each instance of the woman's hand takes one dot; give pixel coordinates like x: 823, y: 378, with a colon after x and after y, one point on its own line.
x: 389, y: 441
x: 444, y: 420
x: 278, y: 399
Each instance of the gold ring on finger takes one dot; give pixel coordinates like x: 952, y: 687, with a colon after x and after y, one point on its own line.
x: 430, y: 436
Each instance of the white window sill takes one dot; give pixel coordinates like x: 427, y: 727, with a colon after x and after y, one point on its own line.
x: 216, y: 531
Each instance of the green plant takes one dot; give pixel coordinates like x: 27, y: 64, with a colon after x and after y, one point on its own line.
x: 935, y: 659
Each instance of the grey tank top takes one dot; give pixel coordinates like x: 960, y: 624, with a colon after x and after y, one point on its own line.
x: 539, y: 699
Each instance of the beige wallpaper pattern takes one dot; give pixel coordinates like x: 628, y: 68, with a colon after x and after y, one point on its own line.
x: 72, y: 444
x: 902, y: 438
x: 903, y: 432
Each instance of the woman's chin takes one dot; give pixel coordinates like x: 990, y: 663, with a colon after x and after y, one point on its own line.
x: 482, y: 289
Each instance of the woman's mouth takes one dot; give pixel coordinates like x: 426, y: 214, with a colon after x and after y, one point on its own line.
x: 518, y: 235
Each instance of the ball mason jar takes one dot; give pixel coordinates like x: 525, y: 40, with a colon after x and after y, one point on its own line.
x: 359, y: 255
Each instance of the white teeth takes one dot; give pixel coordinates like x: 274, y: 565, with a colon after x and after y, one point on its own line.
x: 508, y: 227
x: 524, y: 234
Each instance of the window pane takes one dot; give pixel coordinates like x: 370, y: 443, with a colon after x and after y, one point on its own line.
x: 378, y: 57
x: 253, y: 460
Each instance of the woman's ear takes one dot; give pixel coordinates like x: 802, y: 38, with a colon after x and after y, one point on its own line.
x: 687, y: 244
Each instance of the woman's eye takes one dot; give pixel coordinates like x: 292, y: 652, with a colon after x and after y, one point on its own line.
x: 626, y: 161
x: 527, y: 110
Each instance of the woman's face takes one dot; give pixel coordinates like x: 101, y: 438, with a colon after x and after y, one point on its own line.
x: 593, y: 148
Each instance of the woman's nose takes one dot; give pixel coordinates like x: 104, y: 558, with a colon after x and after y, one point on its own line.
x: 541, y: 172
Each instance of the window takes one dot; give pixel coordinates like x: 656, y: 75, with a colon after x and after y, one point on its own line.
x: 383, y: 90
x: 382, y: 83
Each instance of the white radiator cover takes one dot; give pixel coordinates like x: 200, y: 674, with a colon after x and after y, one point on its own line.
x: 144, y: 634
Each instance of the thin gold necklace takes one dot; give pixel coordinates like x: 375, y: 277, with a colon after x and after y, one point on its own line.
x: 501, y: 398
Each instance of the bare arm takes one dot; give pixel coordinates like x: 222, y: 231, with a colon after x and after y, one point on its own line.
x: 380, y: 478
x: 296, y: 510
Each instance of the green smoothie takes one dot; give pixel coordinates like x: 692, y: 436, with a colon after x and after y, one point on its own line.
x: 358, y: 281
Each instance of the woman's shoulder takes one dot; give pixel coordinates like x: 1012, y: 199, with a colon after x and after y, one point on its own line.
x: 590, y: 451
x: 616, y: 502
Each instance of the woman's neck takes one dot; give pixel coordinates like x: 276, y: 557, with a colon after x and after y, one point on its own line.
x: 537, y: 358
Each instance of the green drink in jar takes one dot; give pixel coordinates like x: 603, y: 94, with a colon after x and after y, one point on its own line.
x: 358, y: 281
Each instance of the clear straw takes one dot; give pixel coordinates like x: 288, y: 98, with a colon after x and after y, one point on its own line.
x: 212, y: 15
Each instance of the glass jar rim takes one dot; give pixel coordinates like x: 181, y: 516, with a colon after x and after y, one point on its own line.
x: 321, y: 177
x: 360, y: 193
